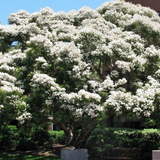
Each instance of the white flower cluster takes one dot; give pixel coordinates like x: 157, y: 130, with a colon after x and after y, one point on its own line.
x: 41, y: 41
x: 67, y: 52
x: 1, y: 106
x: 44, y: 80
x: 91, y: 110
x: 99, y: 49
x: 81, y: 70
x: 8, y: 30
x: 7, y: 77
x: 142, y: 103
x: 21, y: 17
x: 64, y: 32
x: 72, y: 97
x: 9, y: 87
x: 86, y: 13
x: 8, y: 60
x: 125, y: 12
x: 124, y: 66
x: 43, y: 61
x: 152, y: 52
x: 76, y: 103
x: 89, y: 95
x: 18, y: 32
x: 23, y: 117
x: 107, y: 84
x: 119, y: 100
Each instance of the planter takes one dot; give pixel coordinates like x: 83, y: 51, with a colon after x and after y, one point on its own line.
x: 155, y: 154
x: 74, y: 154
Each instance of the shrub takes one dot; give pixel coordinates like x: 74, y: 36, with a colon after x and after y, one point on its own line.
x: 9, y: 137
x: 102, y: 140
x: 13, y: 137
x: 41, y: 137
x: 26, y: 143
x: 57, y: 136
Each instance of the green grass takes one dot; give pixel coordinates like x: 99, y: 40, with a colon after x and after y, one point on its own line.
x: 26, y: 157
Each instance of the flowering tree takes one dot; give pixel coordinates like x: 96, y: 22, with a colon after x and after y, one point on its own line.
x: 79, y: 64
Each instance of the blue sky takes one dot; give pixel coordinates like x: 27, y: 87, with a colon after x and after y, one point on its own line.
x: 11, y: 6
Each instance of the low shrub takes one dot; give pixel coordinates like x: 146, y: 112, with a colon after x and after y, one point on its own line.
x: 26, y: 143
x: 13, y: 137
x: 9, y: 137
x: 41, y: 137
x: 57, y: 136
x: 102, y: 140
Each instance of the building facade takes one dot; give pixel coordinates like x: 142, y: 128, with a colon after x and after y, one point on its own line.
x: 153, y: 4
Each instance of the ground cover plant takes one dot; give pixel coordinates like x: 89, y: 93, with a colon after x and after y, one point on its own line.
x: 80, y: 66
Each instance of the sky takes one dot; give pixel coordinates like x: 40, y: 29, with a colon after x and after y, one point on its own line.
x: 11, y: 6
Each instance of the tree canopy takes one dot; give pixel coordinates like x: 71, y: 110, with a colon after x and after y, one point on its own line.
x: 80, y: 64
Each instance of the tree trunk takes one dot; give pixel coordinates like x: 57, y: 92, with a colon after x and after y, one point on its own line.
x: 78, y: 140
x: 68, y: 130
x: 81, y: 139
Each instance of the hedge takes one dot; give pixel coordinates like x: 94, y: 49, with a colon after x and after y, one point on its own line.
x: 103, y: 140
x: 99, y: 143
x: 13, y: 137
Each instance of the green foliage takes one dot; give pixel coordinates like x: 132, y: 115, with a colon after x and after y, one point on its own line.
x: 9, y: 137
x: 13, y: 137
x: 57, y: 136
x: 26, y: 143
x: 102, y: 140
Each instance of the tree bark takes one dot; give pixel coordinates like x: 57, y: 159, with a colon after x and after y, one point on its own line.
x: 68, y: 133
x: 81, y: 139
x: 78, y: 140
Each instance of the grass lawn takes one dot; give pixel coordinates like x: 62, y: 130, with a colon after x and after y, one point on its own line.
x: 26, y: 157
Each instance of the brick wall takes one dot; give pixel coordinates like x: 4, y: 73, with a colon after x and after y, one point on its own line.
x: 153, y: 4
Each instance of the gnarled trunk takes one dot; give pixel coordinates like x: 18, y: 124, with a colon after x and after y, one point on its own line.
x: 81, y: 139
x: 78, y: 139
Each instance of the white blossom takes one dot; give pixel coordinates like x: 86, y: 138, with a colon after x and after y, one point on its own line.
x: 23, y: 117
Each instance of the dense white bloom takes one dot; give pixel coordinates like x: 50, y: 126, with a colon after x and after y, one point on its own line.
x: 83, y: 60
x: 82, y: 69
x: 46, y: 81
x: 23, y: 117
x: 94, y: 84
x: 67, y: 52
x: 121, y: 82
x: 6, y: 67
x: 139, y: 62
x: 86, y: 13
x: 7, y: 77
x: 119, y: 99
x: 108, y: 83
x: 124, y: 66
x: 41, y: 59
x: 21, y: 17
x: 88, y: 95
x: 9, y: 87
x: 8, y: 60
x: 152, y: 51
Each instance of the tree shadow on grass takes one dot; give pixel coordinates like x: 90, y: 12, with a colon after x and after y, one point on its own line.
x: 39, y: 154
x: 26, y: 157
